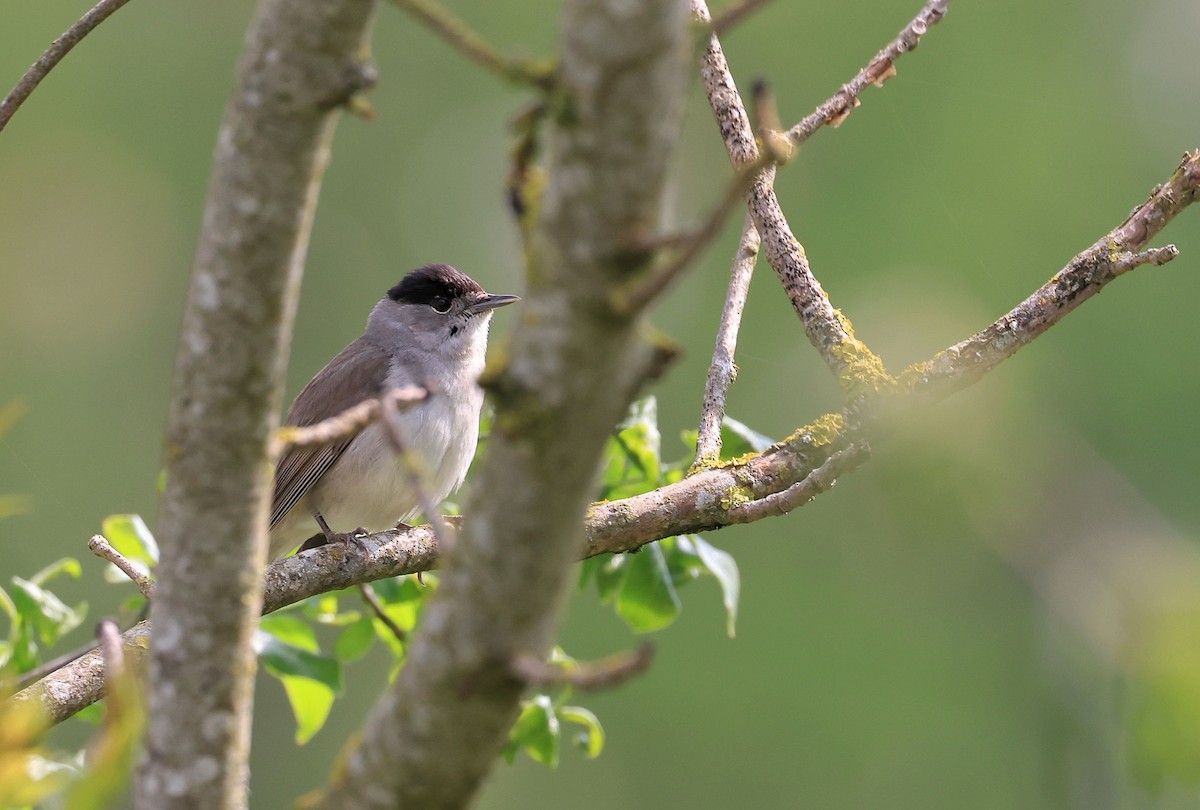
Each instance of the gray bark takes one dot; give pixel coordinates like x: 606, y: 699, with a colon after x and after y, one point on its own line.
x: 301, y: 64
x: 571, y: 368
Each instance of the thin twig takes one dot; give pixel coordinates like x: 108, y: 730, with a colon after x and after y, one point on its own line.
x: 108, y: 639
x: 53, y: 55
x: 727, y: 18
x: 100, y: 546
x: 819, y: 480
x: 1124, y: 262
x: 472, y: 45
x: 348, y: 422
x: 415, y: 469
x: 603, y: 674
x: 877, y: 71
x: 690, y: 247
x: 722, y: 371
x: 372, y: 599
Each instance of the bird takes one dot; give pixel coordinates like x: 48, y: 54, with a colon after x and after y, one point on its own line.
x: 430, y: 330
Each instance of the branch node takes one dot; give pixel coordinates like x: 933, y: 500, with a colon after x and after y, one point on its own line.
x: 605, y: 673
x: 103, y: 549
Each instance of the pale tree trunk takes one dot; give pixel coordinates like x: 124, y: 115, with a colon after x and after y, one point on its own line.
x: 302, y: 63
x: 571, y: 368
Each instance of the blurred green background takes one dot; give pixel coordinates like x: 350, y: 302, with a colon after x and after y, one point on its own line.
x: 998, y: 611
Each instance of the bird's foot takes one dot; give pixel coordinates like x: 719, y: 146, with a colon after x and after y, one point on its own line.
x: 327, y: 535
x: 356, y: 538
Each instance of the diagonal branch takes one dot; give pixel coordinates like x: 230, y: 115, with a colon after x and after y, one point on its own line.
x: 834, y: 111
x: 1112, y: 255
x: 473, y: 46
x: 55, y: 54
x: 825, y: 329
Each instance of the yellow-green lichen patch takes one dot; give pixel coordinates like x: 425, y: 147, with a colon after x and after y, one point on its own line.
x: 736, y: 496
x: 825, y: 430
x: 863, y: 372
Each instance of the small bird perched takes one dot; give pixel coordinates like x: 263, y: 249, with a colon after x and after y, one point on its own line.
x: 430, y: 331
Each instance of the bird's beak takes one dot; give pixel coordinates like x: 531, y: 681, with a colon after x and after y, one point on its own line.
x: 491, y: 302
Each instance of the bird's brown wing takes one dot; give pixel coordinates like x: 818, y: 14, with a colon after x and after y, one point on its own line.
x: 356, y: 374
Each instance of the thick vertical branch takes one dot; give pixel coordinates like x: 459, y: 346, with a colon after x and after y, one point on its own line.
x: 301, y: 64
x: 570, y: 370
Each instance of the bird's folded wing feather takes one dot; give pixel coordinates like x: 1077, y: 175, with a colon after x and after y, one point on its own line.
x: 354, y: 375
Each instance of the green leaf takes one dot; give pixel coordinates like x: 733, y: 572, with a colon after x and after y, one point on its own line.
x: 722, y: 566
x: 45, y: 612
x: 67, y: 565
x: 683, y: 562
x: 311, y: 701
x: 355, y: 640
x: 591, y: 738
x: 23, y: 654
x: 287, y: 660
x: 632, y: 461
x: 291, y: 630
x: 737, y: 439
x: 609, y: 573
x: 648, y: 600
x: 130, y: 536
x: 398, y: 590
x: 287, y: 647
x: 6, y: 604
x: 537, y: 730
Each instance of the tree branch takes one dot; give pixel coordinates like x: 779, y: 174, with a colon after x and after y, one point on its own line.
x: 303, y: 61
x: 436, y: 734
x: 1112, y: 255
x: 834, y: 111
x: 722, y: 371
x: 348, y: 422
x: 53, y: 55
x: 823, y: 326
x: 584, y: 675
x: 460, y: 36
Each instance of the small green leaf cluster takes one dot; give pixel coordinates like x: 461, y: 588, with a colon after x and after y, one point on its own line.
x: 539, y: 728
x: 289, y: 649
x: 643, y: 586
x: 36, y: 615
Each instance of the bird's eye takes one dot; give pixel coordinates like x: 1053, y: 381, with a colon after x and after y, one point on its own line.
x: 440, y: 303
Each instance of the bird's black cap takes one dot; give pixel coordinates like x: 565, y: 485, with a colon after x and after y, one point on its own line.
x: 433, y: 280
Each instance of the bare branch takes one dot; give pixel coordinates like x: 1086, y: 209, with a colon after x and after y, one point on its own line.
x: 606, y: 673
x: 729, y: 17
x: 100, y: 546
x: 1112, y: 255
x: 825, y: 328
x: 834, y: 111
x: 819, y: 480
x: 470, y: 44
x: 108, y: 638
x: 53, y: 55
x: 348, y: 422
x: 415, y: 470
x: 372, y: 599
x: 643, y: 292
x: 722, y: 371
